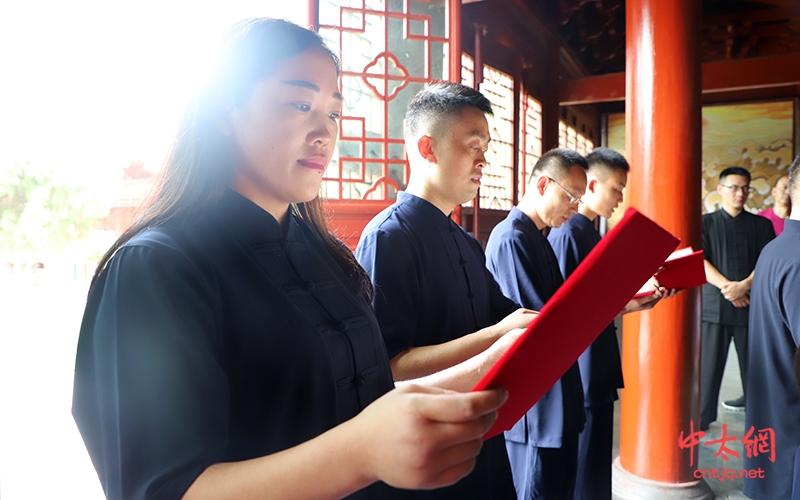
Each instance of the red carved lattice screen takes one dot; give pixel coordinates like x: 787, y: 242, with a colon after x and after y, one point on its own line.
x: 388, y: 49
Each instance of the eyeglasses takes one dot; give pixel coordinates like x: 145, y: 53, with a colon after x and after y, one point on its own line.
x: 733, y: 188
x: 572, y: 199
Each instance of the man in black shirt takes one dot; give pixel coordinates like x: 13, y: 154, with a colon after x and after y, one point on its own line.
x: 732, y: 241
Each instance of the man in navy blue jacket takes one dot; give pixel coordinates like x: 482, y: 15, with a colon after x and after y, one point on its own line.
x: 436, y: 303
x: 772, y: 422
x: 542, y: 446
x: 600, y: 365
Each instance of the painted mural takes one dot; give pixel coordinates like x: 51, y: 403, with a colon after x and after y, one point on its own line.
x: 755, y: 136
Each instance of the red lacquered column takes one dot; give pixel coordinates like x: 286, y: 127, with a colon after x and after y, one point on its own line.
x: 661, y: 347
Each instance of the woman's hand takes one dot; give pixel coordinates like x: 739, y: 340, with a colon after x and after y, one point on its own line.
x: 420, y: 437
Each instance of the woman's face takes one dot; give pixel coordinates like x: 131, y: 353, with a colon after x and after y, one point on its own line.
x: 285, y: 133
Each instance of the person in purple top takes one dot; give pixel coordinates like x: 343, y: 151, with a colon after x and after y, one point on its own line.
x: 783, y: 205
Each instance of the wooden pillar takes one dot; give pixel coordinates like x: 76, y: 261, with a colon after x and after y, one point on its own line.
x: 313, y: 14
x: 454, y: 73
x: 477, y: 79
x: 796, y: 126
x: 551, y: 110
x: 516, y: 140
x: 661, y: 347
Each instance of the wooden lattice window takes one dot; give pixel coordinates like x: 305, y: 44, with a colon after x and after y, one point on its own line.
x: 498, y: 87
x: 388, y: 49
x: 498, y: 176
x: 530, y: 138
x: 570, y: 138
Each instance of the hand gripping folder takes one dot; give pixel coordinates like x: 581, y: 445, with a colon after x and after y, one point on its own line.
x: 683, y: 269
x: 577, y: 313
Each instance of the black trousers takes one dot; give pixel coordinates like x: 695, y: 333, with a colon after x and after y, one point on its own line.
x: 714, y: 351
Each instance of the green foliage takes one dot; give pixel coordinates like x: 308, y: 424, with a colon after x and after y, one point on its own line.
x: 39, y: 213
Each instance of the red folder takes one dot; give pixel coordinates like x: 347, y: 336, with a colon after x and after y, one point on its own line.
x: 575, y: 315
x: 683, y: 269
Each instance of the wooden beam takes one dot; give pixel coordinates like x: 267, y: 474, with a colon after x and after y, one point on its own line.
x: 755, y: 73
x: 781, y: 3
x: 752, y: 16
x: 728, y: 76
x: 592, y: 89
x: 752, y: 95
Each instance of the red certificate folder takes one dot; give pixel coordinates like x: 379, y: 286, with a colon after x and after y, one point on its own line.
x: 575, y: 315
x: 683, y: 269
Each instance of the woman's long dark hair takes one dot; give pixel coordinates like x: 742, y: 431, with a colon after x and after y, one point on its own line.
x: 198, y: 167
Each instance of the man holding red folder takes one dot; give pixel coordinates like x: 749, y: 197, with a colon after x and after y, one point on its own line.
x: 435, y: 301
x: 542, y: 446
x: 600, y: 365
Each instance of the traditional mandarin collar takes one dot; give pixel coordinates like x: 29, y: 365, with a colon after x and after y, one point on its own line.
x: 729, y: 216
x: 582, y: 220
x: 527, y: 222
x: 250, y: 222
x: 425, y: 208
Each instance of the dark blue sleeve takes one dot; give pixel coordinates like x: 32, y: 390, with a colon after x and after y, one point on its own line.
x: 501, y: 305
x: 566, y: 249
x: 790, y: 298
x: 150, y: 395
x: 517, y: 274
x: 391, y: 263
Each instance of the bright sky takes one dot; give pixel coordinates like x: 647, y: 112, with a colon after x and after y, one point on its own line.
x: 87, y: 86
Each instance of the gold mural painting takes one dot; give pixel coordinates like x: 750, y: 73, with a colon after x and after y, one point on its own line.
x: 755, y: 136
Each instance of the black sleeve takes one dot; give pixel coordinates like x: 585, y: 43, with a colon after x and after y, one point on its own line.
x: 150, y: 395
x: 766, y: 233
x: 708, y: 253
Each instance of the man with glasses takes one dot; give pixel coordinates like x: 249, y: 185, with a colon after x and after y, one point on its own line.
x: 600, y: 364
x: 783, y: 205
x: 732, y: 241
x: 543, y: 445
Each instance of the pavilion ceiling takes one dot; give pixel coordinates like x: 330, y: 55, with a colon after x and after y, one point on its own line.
x: 594, y: 30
